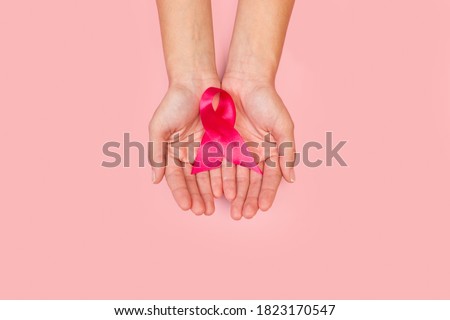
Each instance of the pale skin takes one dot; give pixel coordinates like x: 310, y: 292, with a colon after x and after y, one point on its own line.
x: 255, y: 51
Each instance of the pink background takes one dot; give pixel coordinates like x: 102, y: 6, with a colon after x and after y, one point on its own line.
x: 76, y: 74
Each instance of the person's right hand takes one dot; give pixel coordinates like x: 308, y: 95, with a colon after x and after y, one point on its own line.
x: 178, y: 115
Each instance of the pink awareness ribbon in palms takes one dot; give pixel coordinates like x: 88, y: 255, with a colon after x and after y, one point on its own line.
x: 220, y: 140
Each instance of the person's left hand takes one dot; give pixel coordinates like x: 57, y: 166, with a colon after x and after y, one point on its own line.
x: 260, y: 114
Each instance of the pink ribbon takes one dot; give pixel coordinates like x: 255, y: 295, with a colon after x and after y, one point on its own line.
x: 220, y: 135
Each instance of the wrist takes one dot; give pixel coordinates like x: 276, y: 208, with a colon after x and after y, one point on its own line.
x: 192, y: 75
x: 246, y: 82
x: 191, y: 67
x: 247, y: 68
x: 195, y: 82
x: 250, y: 59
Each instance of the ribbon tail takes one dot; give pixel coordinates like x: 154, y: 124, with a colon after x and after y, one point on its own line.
x: 204, y: 161
x: 241, y: 155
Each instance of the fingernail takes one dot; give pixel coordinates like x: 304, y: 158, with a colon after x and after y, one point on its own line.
x: 153, y: 175
x: 292, y: 178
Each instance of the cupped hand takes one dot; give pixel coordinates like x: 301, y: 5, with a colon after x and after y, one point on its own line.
x: 261, y: 114
x: 177, y: 119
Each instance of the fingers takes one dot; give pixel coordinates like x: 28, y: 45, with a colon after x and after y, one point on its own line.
x: 270, y: 182
x: 243, y: 181
x: 198, y: 206
x: 251, y: 202
x: 177, y: 184
x: 248, y: 190
x: 216, y: 182
x: 229, y: 180
x: 204, y: 186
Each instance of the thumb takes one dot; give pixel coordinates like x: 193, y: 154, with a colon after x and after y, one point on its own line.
x: 157, y: 150
x: 284, y: 136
